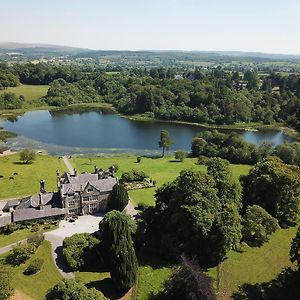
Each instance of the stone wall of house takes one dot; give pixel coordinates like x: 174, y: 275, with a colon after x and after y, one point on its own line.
x: 5, y: 219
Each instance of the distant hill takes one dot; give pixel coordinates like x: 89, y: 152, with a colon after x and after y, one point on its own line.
x: 145, y: 57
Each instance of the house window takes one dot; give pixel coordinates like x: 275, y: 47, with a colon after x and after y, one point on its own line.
x: 93, y: 207
x: 89, y: 190
x: 73, y: 211
x: 71, y: 203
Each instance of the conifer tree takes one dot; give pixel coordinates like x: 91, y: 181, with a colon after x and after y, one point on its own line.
x: 116, y: 240
x: 119, y: 198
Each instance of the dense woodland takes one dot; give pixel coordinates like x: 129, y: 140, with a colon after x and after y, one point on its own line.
x: 212, y: 96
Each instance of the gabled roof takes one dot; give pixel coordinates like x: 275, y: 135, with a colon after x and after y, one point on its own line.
x: 81, y: 181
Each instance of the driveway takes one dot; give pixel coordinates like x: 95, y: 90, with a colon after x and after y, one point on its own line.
x: 87, y: 223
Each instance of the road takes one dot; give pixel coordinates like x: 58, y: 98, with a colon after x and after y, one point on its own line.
x: 10, y: 247
x: 68, y: 165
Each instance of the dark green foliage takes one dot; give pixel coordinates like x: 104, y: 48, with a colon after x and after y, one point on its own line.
x: 10, y: 101
x: 228, y: 146
x: 197, y: 146
x: 289, y: 153
x: 8, y: 79
x: 10, y: 228
x: 189, y: 217
x: 274, y: 186
x: 295, y: 249
x: 34, y: 266
x: 258, y: 225
x: 133, y: 175
x: 73, y: 290
x: 6, y: 286
x: 27, y: 156
x: 79, y: 250
x: 188, y: 282
x: 138, y: 159
x: 117, y: 242
x: 165, y: 141
x: 62, y: 93
x: 36, y: 239
x: 119, y: 198
x: 252, y: 80
x: 180, y: 155
x: 20, y: 254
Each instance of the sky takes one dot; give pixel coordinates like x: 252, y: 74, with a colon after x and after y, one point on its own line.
x: 271, y: 26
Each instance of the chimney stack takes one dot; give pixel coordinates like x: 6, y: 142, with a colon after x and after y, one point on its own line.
x: 42, y: 186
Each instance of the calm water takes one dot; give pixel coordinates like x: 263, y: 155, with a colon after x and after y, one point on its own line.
x: 93, y: 130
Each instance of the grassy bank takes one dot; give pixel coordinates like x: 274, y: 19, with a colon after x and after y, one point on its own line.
x: 36, y: 286
x: 251, y: 126
x: 26, y: 182
x: 162, y: 170
x: 21, y: 234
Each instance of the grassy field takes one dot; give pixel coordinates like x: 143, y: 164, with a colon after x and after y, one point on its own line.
x: 36, y: 286
x: 162, y: 170
x: 30, y: 92
x: 19, y: 235
x: 255, y: 265
x: 29, y: 176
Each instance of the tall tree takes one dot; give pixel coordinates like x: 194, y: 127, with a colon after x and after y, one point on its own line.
x: 119, y: 198
x: 165, y: 141
x: 274, y: 186
x: 117, y: 242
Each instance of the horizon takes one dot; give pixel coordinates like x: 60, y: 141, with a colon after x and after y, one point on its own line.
x: 170, y: 25
x: 35, y: 45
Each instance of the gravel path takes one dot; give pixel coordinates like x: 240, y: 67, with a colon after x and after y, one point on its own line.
x: 68, y: 164
x: 10, y: 247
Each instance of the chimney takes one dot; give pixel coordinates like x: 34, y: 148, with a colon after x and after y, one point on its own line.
x: 41, y: 205
x: 75, y: 172
x: 42, y: 186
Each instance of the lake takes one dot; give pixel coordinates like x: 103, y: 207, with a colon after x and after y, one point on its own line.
x: 94, y: 132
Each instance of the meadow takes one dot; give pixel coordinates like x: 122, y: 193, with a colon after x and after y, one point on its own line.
x: 26, y: 182
x: 30, y: 92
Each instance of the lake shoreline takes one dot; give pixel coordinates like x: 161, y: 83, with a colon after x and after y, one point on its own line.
x: 108, y: 108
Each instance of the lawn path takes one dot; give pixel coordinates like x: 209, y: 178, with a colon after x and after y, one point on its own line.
x: 68, y: 165
x: 11, y: 246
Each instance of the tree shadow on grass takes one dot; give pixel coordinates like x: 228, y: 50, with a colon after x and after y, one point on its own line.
x: 22, y: 163
x: 175, y: 161
x: 107, y: 288
x: 286, y: 286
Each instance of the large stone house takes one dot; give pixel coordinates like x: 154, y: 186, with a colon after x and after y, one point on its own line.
x: 78, y: 194
x: 86, y: 193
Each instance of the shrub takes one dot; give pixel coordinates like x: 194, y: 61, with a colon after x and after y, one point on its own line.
x: 79, y: 250
x: 138, y: 159
x: 10, y: 228
x: 36, y: 239
x: 35, y: 228
x: 6, y: 287
x: 180, y: 155
x: 73, y: 289
x: 20, y: 254
x: 257, y: 226
x: 202, y: 160
x: 133, y: 175
x: 34, y: 266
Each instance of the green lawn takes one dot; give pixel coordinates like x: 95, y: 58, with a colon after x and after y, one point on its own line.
x: 151, y: 280
x: 37, y: 285
x: 19, y: 235
x: 162, y: 170
x: 255, y: 265
x: 29, y: 176
x: 30, y: 92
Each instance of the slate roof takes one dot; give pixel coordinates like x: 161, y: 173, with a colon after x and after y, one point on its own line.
x: 35, y: 200
x: 73, y: 184
x: 32, y: 213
